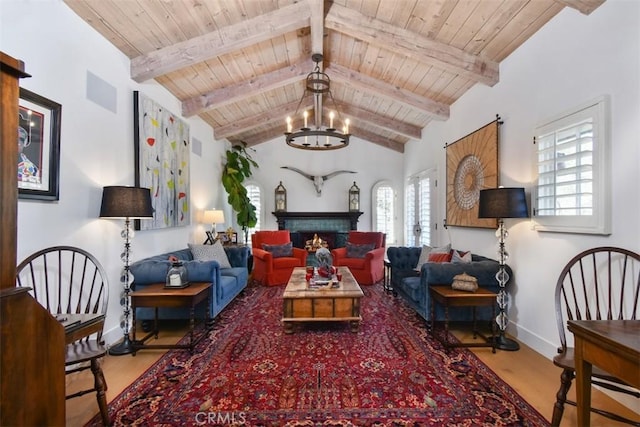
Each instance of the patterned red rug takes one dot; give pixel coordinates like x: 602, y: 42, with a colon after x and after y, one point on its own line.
x: 391, y: 373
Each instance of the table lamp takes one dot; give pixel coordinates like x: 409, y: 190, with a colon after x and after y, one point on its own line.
x: 212, y: 217
x: 503, y: 203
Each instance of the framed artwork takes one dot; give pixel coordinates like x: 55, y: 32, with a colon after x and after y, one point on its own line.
x: 472, y: 165
x: 228, y: 238
x: 38, y: 147
x: 162, y: 147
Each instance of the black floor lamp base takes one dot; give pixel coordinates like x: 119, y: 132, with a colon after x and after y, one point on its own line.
x: 504, y: 343
x: 122, y: 348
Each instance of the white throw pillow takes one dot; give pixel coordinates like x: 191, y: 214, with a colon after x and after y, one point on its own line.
x: 426, y: 250
x: 213, y: 252
x: 461, y: 257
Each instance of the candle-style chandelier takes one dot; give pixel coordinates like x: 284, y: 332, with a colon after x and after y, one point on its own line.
x: 318, y: 137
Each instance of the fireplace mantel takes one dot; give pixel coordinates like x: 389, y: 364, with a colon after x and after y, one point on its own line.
x: 284, y: 217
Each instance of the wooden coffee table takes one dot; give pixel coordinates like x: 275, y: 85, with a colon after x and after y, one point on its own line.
x: 302, y: 304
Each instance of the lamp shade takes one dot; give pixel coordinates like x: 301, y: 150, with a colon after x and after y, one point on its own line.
x: 126, y: 202
x: 503, y: 203
x: 213, y: 217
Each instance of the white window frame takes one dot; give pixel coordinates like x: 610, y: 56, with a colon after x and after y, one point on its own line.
x: 599, y: 222
x: 260, y: 211
x: 391, y: 238
x: 428, y: 235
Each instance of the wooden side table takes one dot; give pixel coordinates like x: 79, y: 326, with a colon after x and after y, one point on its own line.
x: 449, y: 297
x: 157, y: 295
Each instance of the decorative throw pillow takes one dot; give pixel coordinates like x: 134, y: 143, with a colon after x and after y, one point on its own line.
x: 359, y: 251
x: 461, y: 257
x: 279, y: 251
x: 426, y: 250
x: 440, y: 257
x: 213, y: 252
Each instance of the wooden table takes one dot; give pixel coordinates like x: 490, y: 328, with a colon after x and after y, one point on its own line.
x: 612, y: 345
x: 302, y: 304
x: 449, y: 297
x: 157, y: 295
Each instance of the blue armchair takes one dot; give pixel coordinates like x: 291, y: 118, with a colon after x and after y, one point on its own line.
x: 227, y: 283
x: 413, y: 286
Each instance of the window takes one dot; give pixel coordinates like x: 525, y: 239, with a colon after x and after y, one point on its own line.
x: 420, y: 208
x: 255, y: 196
x: 384, y: 211
x: 571, y: 191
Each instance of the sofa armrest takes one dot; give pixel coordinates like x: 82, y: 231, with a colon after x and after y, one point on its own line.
x: 375, y: 256
x: 301, y: 255
x: 338, y: 254
x: 238, y: 256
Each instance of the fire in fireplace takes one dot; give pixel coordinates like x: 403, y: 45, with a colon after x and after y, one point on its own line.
x: 306, y: 239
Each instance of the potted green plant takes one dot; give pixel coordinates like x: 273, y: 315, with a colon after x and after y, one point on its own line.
x: 238, y: 168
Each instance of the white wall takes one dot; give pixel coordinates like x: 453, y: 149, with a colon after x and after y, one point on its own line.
x: 97, y: 150
x: 573, y: 59
x: 372, y: 163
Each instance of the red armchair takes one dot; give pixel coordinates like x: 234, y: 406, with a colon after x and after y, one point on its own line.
x: 269, y: 270
x: 369, y: 269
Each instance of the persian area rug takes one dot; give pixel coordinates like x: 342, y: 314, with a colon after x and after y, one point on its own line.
x: 390, y: 373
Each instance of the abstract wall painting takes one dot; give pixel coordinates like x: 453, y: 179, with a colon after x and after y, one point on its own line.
x: 162, y: 147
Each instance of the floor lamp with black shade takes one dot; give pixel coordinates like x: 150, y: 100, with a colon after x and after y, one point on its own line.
x: 128, y: 203
x: 503, y: 203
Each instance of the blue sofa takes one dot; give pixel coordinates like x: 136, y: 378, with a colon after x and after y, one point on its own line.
x: 227, y: 283
x: 413, y: 285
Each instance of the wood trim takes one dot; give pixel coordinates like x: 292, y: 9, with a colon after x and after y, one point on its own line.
x: 282, y: 217
x: 366, y: 83
x: 413, y: 45
x: 226, y: 40
x: 260, y: 84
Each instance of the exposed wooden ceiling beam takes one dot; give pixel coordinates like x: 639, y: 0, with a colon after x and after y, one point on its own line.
x: 227, y: 39
x: 401, y: 128
x: 260, y: 84
x: 317, y: 26
x: 261, y: 137
x: 273, y: 115
x: 583, y: 6
x: 369, y: 136
x: 413, y: 45
x: 369, y: 84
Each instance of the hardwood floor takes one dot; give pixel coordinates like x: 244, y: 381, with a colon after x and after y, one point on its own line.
x: 532, y: 375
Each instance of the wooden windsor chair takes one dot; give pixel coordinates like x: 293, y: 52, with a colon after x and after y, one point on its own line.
x: 601, y: 283
x: 68, y: 280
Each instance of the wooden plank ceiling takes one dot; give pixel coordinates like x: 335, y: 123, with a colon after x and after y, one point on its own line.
x: 395, y: 65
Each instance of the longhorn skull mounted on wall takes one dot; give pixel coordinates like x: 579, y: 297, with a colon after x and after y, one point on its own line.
x: 318, y: 180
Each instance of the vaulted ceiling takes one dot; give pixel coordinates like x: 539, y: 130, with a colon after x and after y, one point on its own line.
x: 395, y: 65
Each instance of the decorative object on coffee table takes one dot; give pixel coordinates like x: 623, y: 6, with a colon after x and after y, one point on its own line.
x: 503, y: 203
x: 127, y: 203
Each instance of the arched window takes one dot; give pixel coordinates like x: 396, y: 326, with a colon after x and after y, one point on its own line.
x: 384, y: 210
